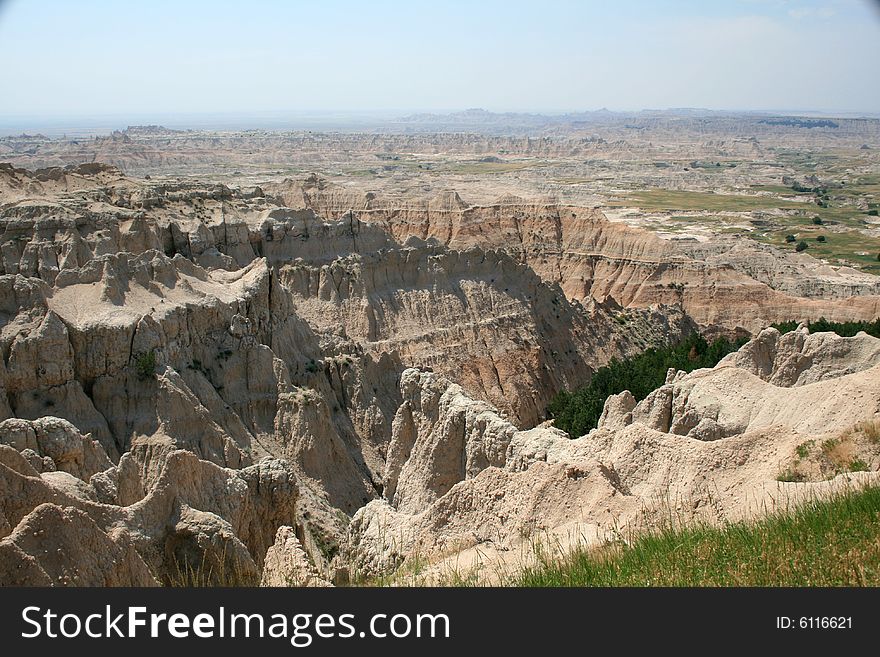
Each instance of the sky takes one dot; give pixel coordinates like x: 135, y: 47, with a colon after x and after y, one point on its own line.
x: 102, y: 58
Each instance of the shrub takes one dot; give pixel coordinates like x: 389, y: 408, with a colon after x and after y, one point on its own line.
x: 801, y: 246
x: 817, y: 221
x: 870, y: 429
x: 873, y: 213
x: 790, y: 475
x: 858, y: 465
x: 145, y: 364
x: 790, y: 238
x: 830, y: 444
x: 803, y: 450
x: 820, y: 238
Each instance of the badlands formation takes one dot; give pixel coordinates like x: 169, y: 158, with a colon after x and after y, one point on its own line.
x: 306, y: 383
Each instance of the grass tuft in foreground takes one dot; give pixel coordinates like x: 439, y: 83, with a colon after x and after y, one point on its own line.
x: 829, y: 543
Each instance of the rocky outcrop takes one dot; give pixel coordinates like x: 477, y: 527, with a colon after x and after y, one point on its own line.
x: 795, y: 274
x: 799, y: 357
x: 710, y: 444
x: 196, y: 522
x: 287, y: 564
x: 798, y: 373
x: 697, y: 405
x: 439, y: 437
x: 55, y: 546
x: 618, y: 411
x: 52, y: 444
x: 730, y: 284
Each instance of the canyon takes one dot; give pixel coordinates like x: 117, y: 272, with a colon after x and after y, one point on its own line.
x: 295, y: 380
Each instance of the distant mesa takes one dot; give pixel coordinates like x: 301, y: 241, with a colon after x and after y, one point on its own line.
x: 151, y: 130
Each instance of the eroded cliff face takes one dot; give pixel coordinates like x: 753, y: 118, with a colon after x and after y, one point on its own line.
x: 197, y: 375
x: 726, y: 284
x: 155, y: 319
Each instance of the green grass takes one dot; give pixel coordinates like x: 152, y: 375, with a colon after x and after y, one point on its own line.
x: 671, y: 200
x: 780, y: 190
x: 843, y: 224
x: 850, y: 247
x: 218, y: 570
x: 829, y: 543
x: 858, y: 465
x: 863, y: 185
x: 803, y: 450
x: 698, y: 220
x: 477, y: 167
x: 662, y: 199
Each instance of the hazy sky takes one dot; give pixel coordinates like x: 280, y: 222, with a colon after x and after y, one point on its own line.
x: 93, y: 57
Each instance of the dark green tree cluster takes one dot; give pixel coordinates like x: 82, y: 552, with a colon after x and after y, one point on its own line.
x: 843, y: 329
x: 577, y: 412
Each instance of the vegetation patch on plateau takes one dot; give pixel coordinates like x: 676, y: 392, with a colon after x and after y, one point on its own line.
x: 664, y: 199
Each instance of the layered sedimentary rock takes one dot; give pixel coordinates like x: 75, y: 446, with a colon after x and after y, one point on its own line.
x: 600, y: 135
x: 728, y: 284
x: 287, y: 564
x: 141, y: 324
x: 214, y: 387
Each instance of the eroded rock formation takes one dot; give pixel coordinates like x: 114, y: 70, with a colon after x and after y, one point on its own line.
x: 709, y: 444
x: 212, y: 386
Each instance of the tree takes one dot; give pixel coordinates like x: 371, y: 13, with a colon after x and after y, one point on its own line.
x: 578, y: 411
x: 821, y: 238
x: 801, y: 246
x: 817, y: 221
x: 790, y: 238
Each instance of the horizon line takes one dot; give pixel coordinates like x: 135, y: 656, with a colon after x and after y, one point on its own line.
x: 78, y: 115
